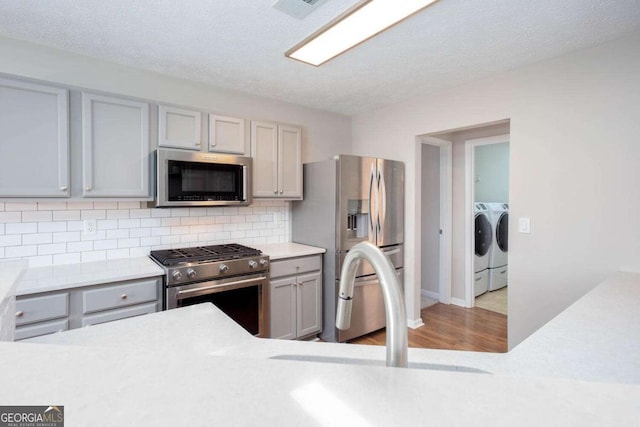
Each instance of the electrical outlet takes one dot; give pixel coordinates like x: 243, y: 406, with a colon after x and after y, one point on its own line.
x: 89, y: 227
x: 524, y: 225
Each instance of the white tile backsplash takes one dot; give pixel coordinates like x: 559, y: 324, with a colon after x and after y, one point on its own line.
x: 47, y: 233
x: 20, y: 228
x: 10, y: 217
x: 37, y: 216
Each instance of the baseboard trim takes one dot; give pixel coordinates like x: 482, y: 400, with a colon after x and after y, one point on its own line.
x: 459, y: 302
x: 430, y: 294
x: 415, y: 324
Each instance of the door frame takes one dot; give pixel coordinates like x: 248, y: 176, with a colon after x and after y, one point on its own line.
x: 446, y: 198
x: 469, y: 196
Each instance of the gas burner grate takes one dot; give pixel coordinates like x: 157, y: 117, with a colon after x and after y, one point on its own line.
x: 201, y: 254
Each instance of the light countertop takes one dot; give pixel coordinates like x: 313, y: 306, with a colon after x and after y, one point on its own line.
x: 52, y: 278
x: 115, y: 387
x: 195, y: 366
x: 199, y: 351
x: 56, y: 277
x: 10, y: 272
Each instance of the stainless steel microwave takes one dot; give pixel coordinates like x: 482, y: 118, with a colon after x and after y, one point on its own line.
x: 190, y: 178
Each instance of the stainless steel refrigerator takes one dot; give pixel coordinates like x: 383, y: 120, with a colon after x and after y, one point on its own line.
x: 347, y: 200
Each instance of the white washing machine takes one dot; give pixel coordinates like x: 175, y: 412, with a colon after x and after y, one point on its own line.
x: 482, y: 247
x: 498, y: 253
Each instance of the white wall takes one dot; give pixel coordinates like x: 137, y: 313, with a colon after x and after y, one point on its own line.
x: 430, y: 218
x: 573, y: 155
x: 50, y: 233
x: 491, y: 165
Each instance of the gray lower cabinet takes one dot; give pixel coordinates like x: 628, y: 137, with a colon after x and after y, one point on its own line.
x: 118, y: 301
x: 296, y: 297
x: 50, y: 312
x: 41, y: 314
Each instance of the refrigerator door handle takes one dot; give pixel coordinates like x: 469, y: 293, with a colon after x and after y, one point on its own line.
x: 389, y: 252
x: 373, y: 205
x: 383, y: 202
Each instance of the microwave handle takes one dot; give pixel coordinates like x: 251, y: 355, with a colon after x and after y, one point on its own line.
x: 244, y: 183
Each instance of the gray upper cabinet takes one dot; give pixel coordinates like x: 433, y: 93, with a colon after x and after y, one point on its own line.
x: 226, y: 134
x: 290, y: 162
x: 115, y: 147
x: 179, y: 127
x: 277, y: 160
x: 34, y: 140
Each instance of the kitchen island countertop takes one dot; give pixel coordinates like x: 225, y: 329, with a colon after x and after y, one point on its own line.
x: 195, y: 366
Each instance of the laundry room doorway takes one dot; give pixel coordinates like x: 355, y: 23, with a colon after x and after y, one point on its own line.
x: 487, y: 222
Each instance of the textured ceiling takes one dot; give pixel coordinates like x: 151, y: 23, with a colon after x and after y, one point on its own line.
x: 240, y: 44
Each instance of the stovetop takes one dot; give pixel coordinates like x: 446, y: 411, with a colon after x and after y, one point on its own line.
x: 203, y: 254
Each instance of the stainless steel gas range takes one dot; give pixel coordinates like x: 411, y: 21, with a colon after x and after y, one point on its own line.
x: 233, y: 277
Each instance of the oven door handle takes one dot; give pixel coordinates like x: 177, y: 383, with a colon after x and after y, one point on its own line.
x: 220, y: 287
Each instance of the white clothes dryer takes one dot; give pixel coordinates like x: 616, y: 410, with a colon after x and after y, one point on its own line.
x: 483, y: 237
x: 482, y: 246
x: 498, y: 253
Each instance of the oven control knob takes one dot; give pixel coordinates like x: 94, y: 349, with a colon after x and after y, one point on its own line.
x: 191, y: 273
x: 224, y: 268
x: 177, y: 276
x: 263, y: 262
x: 252, y: 264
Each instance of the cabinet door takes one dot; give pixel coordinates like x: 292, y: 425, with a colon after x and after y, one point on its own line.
x: 115, y: 145
x: 264, y: 150
x: 289, y: 162
x: 34, y: 140
x: 179, y: 127
x: 283, y: 308
x: 309, y: 304
x: 226, y: 134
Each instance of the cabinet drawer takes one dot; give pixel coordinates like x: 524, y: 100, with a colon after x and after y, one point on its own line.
x: 36, y: 309
x: 122, y: 313
x: 44, y: 328
x: 287, y: 267
x: 129, y: 293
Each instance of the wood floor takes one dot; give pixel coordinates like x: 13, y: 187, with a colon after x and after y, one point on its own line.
x: 453, y: 328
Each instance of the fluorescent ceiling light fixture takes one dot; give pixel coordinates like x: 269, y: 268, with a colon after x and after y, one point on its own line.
x: 356, y: 25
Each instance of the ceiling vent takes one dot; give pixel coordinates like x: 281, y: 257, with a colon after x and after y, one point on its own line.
x: 298, y: 8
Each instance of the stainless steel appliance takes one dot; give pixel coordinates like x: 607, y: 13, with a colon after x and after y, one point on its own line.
x: 233, y: 277
x: 351, y: 199
x: 189, y: 178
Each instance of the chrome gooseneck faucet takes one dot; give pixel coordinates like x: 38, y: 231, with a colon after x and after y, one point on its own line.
x: 395, y: 313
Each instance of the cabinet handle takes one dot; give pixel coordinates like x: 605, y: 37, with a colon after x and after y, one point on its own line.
x: 63, y: 188
x: 198, y: 143
x: 275, y: 191
x: 281, y: 191
x: 123, y: 296
x: 88, y: 188
x: 19, y: 313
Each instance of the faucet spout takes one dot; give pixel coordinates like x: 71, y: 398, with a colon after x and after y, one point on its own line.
x: 395, y: 313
